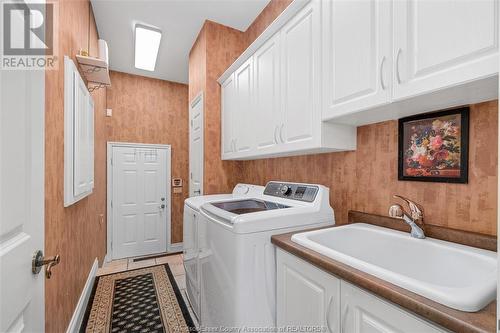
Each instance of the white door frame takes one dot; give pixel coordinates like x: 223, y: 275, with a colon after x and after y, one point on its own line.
x: 109, y: 224
x: 198, y: 99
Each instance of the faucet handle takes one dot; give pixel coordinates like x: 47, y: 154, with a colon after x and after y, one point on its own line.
x: 415, y: 210
x: 396, y: 211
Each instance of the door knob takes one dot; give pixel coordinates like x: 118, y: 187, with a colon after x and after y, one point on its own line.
x: 39, y: 260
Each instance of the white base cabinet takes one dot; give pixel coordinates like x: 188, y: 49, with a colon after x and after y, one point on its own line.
x: 308, y: 297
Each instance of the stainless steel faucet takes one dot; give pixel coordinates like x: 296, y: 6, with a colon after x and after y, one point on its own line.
x: 416, y: 215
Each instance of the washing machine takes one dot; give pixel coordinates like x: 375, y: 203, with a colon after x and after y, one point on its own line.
x: 237, y: 258
x: 191, y: 236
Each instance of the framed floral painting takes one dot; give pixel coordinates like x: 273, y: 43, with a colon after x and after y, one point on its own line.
x: 433, y: 147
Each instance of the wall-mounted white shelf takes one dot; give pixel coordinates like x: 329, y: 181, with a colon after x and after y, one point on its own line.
x: 95, y: 71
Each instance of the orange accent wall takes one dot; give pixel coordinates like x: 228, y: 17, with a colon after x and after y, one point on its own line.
x: 77, y: 233
x: 366, y: 179
x: 149, y: 110
x: 215, y: 47
x: 363, y: 180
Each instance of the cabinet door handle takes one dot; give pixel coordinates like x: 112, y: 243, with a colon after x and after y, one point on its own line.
x: 382, y: 83
x: 281, y: 133
x: 344, y: 319
x: 275, y: 132
x: 328, y: 308
x: 398, y: 77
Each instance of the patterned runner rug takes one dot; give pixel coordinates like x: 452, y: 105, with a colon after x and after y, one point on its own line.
x: 141, y: 300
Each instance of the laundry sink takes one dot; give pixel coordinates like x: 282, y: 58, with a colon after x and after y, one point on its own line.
x: 458, y: 276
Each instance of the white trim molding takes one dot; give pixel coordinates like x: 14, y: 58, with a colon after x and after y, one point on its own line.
x: 198, y: 99
x: 175, y: 247
x: 77, y: 318
x: 109, y: 190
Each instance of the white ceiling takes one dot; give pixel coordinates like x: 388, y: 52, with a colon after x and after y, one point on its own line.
x: 180, y: 22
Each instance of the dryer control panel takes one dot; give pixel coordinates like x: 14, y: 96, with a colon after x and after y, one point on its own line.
x: 301, y: 192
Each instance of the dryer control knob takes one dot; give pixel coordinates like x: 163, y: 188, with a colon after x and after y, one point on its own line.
x: 285, y: 190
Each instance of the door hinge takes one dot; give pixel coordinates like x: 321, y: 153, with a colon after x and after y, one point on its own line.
x: 111, y: 161
x: 191, y: 175
x: 111, y: 203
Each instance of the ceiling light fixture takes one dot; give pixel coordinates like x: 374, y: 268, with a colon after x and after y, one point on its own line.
x: 147, y: 43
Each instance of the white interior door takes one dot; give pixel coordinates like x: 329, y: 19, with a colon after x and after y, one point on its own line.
x: 22, y: 103
x: 196, y: 146
x: 140, y: 200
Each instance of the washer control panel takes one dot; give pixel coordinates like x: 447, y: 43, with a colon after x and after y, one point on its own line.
x: 301, y: 192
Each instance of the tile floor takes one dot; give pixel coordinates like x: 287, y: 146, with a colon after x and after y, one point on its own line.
x: 174, y: 261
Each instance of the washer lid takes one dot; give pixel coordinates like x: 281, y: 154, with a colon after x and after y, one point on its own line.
x: 246, y: 206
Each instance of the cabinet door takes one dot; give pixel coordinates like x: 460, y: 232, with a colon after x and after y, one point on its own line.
x: 228, y: 97
x: 81, y: 165
x: 300, y: 39
x: 356, y: 55
x: 91, y: 140
x: 439, y: 44
x: 306, y: 295
x: 365, y: 313
x: 190, y: 252
x: 244, y: 119
x: 266, y: 110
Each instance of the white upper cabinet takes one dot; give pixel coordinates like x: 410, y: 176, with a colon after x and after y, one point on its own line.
x: 300, y: 45
x: 438, y: 44
x: 228, y: 108
x: 78, y: 136
x: 243, y: 110
x: 266, y: 95
x: 271, y: 100
x: 325, y: 66
x: 356, y: 55
x: 386, y: 59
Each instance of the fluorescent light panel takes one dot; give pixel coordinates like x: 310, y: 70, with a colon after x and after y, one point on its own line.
x: 147, y: 43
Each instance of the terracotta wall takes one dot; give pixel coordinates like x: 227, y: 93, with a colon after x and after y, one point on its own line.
x: 148, y: 110
x: 77, y: 233
x: 266, y: 17
x: 366, y: 179
x: 215, y: 48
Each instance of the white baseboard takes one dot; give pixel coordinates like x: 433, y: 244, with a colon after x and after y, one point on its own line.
x: 176, y: 247
x: 107, y: 257
x: 81, y: 306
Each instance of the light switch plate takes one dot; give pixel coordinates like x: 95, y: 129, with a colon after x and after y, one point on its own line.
x: 109, y: 112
